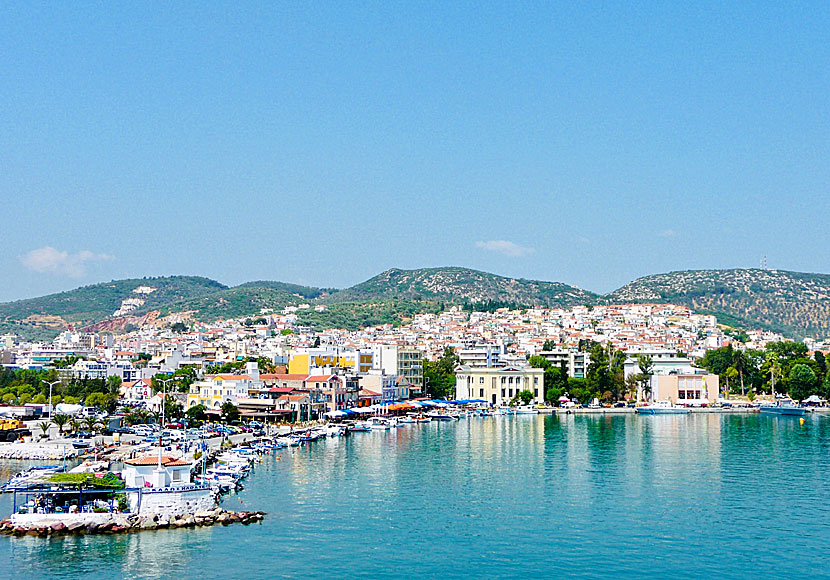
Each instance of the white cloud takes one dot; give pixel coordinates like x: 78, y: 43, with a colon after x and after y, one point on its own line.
x: 668, y: 234
x: 48, y: 260
x: 505, y: 247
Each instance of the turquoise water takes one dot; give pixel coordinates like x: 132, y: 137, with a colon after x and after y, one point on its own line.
x: 724, y: 496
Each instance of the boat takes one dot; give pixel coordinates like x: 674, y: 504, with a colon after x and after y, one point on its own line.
x: 662, y: 408
x: 442, y: 416
x: 359, y: 426
x: 406, y: 419
x: 379, y: 423
x: 526, y: 410
x: 786, y: 410
x: 81, y: 444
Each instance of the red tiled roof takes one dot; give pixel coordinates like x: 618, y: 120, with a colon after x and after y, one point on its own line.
x: 284, y: 377
x: 166, y: 460
x: 319, y: 378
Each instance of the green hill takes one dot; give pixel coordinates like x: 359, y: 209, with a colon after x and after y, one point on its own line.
x: 793, y: 303
x: 455, y: 285
x: 245, y: 300
x: 40, y: 317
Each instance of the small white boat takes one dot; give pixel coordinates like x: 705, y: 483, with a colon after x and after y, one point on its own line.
x: 662, y: 408
x: 379, y: 423
x: 526, y: 410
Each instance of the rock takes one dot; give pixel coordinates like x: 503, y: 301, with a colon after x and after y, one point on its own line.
x: 58, y: 527
x: 74, y: 526
x: 148, y: 524
x: 202, y: 514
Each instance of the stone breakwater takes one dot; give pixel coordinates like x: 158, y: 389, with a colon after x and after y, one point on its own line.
x: 124, y: 523
x: 35, y: 451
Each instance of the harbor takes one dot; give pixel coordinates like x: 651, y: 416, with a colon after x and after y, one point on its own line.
x: 380, y: 496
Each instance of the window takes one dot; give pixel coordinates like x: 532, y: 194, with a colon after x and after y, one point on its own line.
x: 535, y: 380
x: 481, y: 380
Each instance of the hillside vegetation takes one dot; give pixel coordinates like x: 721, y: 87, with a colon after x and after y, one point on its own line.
x: 459, y: 285
x: 795, y: 304
x: 792, y: 303
x: 89, y: 304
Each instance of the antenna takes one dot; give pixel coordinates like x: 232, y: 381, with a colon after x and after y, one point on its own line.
x: 764, y: 263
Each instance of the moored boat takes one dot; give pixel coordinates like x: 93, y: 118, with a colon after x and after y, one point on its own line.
x: 662, y: 408
x: 786, y: 410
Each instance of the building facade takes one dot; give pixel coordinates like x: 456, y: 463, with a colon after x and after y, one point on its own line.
x: 498, y: 386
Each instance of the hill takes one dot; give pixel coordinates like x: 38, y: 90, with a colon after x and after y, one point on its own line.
x: 793, y: 303
x: 246, y: 300
x: 47, y: 315
x: 455, y: 285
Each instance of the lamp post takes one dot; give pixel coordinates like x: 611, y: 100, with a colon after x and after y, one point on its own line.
x: 53, y: 383
x: 161, y: 427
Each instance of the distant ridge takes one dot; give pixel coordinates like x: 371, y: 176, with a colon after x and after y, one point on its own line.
x: 793, y: 303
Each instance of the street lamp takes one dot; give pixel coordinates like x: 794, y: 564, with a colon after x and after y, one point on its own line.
x: 53, y: 383
x: 161, y: 427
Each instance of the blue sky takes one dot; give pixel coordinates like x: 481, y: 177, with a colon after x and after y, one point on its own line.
x: 323, y: 144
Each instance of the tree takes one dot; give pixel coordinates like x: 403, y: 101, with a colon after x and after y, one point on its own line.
x: 525, y: 396
x: 439, y: 375
x: 740, y: 364
x: 179, y: 327
x: 825, y: 386
x: 103, y: 401
x: 822, y: 365
x: 60, y: 420
x: 773, y: 367
x: 230, y: 412
x: 802, y: 382
x: 632, y: 381
x: 44, y: 427
x: 91, y: 424
x: 549, y: 345
x: 114, y: 385
x: 646, y: 365
x: 196, y: 413
x: 730, y: 373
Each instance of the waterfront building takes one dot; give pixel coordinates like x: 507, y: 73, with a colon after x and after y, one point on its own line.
x: 216, y: 390
x: 499, y: 385
x: 686, y: 389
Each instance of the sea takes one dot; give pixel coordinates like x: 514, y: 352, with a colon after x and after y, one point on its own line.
x: 530, y: 496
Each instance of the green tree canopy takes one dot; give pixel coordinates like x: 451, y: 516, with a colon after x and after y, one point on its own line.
x: 802, y: 382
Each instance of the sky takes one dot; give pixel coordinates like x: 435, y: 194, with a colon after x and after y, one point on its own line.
x: 323, y: 143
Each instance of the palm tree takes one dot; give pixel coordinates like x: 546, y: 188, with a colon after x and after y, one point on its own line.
x: 91, y: 424
x: 60, y: 420
x: 44, y: 426
x: 73, y: 425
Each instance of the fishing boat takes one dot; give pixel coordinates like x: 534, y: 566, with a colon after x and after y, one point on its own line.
x: 406, y: 419
x: 526, y: 410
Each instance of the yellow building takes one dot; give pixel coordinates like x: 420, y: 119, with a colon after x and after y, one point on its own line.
x: 304, y: 362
